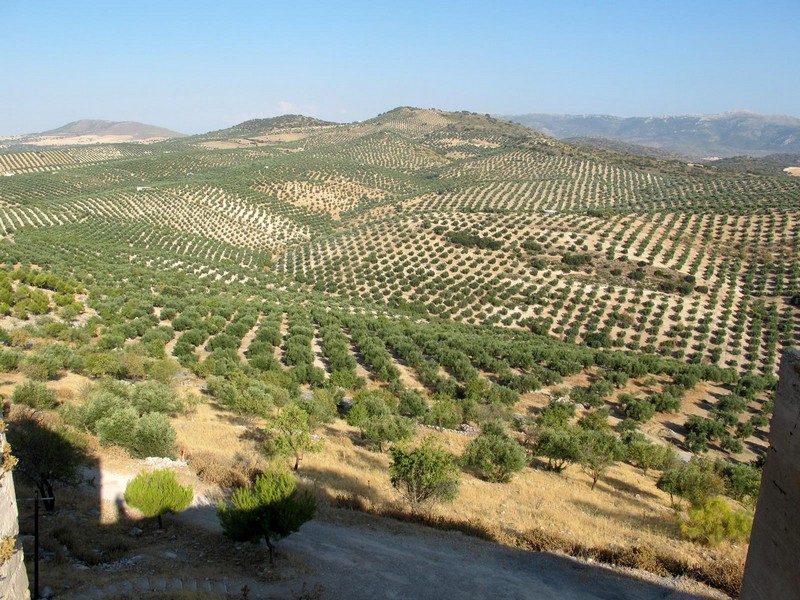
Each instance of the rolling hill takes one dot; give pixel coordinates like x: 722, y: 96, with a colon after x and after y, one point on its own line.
x: 697, y: 136
x: 454, y: 268
x: 92, y: 131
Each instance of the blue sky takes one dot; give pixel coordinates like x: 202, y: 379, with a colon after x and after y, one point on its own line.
x: 195, y: 66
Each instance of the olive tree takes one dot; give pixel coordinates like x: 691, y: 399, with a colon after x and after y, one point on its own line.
x: 290, y: 434
x: 424, y: 475
x: 494, y: 454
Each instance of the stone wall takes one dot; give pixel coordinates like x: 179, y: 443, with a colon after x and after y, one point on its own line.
x: 13, y: 578
x: 772, y: 569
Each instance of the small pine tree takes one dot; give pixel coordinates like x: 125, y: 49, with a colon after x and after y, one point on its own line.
x: 713, y: 520
x: 271, y: 509
x: 157, y: 493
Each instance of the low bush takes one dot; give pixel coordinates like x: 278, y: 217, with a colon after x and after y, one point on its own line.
x: 494, y: 454
x: 713, y: 521
x: 34, y: 394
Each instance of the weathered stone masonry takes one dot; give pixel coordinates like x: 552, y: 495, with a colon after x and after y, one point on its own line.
x: 772, y: 571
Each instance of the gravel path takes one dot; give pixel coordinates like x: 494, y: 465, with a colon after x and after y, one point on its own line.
x: 372, y: 558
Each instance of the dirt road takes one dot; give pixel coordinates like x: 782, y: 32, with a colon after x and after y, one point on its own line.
x: 354, y: 556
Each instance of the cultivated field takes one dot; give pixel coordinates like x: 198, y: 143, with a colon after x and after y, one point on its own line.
x: 469, y: 269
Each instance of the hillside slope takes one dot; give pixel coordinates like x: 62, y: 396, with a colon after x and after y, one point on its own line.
x: 457, y: 268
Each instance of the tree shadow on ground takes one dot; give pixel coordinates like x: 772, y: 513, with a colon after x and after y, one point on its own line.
x: 614, y: 485
x: 643, y: 521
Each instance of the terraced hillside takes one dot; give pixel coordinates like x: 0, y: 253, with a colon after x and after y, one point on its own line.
x: 471, y: 268
x: 448, y: 215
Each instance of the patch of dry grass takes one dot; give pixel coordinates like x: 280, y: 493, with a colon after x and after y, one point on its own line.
x: 626, y: 520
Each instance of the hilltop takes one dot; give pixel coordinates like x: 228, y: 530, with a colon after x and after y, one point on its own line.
x: 697, y: 136
x: 93, y: 131
x: 263, y: 127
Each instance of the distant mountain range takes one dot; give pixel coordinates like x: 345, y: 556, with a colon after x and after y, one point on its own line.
x: 92, y: 131
x: 730, y: 134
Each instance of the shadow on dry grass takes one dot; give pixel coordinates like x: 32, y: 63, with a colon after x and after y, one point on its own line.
x: 724, y: 575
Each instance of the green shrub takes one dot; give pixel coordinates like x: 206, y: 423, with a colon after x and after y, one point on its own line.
x: 34, y: 394
x: 9, y: 360
x: 153, y: 436
x: 559, y: 445
x: 271, y: 508
x: 320, y: 406
x: 639, y: 409
x: 742, y: 482
x: 695, y: 481
x: 368, y: 405
x: 390, y: 428
x: 646, y: 455
x: 596, y: 420
x: 412, y: 404
x: 157, y: 493
x: 556, y: 414
x: 425, y: 475
x: 99, y: 404
x: 153, y: 396
x: 598, y: 451
x: 713, y: 521
x: 444, y: 412
x: 103, y: 364
x: 117, y: 427
x: 494, y: 454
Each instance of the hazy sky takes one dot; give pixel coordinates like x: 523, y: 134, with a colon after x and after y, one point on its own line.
x: 199, y: 65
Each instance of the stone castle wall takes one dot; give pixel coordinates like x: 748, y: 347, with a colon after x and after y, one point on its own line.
x: 13, y: 578
x: 772, y: 569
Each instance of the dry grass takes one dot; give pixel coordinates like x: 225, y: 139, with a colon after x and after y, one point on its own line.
x: 626, y: 520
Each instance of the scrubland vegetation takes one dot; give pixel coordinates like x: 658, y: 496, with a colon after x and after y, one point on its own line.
x: 433, y: 316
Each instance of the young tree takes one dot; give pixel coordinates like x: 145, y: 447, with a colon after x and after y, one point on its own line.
x: 271, y: 509
x: 695, y: 481
x: 598, y: 451
x: 290, y: 434
x: 320, y: 406
x: 46, y: 456
x: 647, y: 455
x: 34, y: 394
x: 424, y: 475
x: 559, y: 445
x: 157, y: 493
x: 742, y: 482
x: 494, y: 454
x: 393, y: 428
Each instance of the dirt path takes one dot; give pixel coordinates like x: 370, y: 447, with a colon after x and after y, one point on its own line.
x: 248, y: 339
x: 353, y: 556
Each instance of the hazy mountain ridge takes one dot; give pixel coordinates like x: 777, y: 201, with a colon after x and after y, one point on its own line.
x: 90, y: 131
x: 697, y: 136
x: 624, y: 147
x: 772, y: 164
